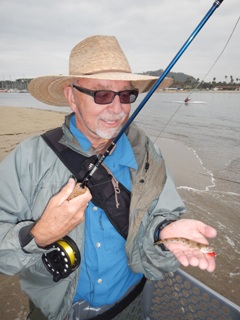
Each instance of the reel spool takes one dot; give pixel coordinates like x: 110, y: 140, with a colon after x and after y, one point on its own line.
x: 63, y: 259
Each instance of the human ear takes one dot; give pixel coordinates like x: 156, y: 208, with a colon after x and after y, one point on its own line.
x: 68, y: 92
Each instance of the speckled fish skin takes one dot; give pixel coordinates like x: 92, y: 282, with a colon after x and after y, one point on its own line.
x: 205, y: 248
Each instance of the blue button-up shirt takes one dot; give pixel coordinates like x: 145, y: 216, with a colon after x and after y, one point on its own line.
x: 104, y: 272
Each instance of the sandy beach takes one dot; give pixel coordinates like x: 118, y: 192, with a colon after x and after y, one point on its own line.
x: 17, y: 124
x: 195, y: 184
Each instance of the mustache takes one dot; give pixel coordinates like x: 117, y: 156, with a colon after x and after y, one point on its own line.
x: 112, y: 117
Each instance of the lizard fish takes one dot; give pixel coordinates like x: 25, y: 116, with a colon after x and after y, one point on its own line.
x: 205, y: 248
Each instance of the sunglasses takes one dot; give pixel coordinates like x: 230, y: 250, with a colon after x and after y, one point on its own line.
x: 107, y: 96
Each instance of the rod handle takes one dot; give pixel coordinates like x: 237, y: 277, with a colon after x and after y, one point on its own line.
x: 77, y: 191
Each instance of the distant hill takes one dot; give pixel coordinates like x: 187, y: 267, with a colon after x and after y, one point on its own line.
x: 179, y: 77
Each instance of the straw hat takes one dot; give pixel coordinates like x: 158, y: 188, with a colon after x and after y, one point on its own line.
x: 96, y: 57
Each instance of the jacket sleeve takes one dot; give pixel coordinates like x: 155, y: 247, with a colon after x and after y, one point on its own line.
x: 168, y: 206
x: 143, y: 256
x: 24, y: 192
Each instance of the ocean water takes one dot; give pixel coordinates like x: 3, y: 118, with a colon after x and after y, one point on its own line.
x: 25, y: 100
x: 209, y: 123
x: 208, y: 126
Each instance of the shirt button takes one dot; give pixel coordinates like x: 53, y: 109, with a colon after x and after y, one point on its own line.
x: 99, y: 281
x: 98, y: 244
x: 95, y: 208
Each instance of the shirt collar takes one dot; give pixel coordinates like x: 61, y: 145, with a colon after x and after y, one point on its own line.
x: 82, y: 140
x: 122, y: 153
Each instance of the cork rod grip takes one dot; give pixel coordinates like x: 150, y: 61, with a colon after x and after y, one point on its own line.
x: 77, y: 191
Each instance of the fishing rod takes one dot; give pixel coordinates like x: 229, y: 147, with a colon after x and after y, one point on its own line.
x: 99, y: 161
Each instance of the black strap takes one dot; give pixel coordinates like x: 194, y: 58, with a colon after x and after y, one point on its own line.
x: 70, y: 158
x: 122, y: 304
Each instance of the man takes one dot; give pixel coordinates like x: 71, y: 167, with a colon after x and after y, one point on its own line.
x: 116, y: 250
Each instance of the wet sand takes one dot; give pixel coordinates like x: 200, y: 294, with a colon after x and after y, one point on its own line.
x: 209, y: 200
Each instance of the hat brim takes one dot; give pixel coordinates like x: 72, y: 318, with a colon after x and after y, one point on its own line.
x: 50, y: 89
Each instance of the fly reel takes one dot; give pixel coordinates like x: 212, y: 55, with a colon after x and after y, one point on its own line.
x: 63, y: 259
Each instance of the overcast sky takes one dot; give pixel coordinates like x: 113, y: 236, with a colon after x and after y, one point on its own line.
x: 36, y: 37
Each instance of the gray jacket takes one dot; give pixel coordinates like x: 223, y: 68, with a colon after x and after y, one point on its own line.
x: 32, y: 174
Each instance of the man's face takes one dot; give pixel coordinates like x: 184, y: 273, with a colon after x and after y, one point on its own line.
x: 98, y: 122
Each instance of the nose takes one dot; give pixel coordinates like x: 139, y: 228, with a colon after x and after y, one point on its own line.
x: 116, y: 105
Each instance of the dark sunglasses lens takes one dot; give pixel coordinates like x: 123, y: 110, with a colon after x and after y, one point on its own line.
x: 128, y: 96
x: 103, y: 96
x: 107, y: 96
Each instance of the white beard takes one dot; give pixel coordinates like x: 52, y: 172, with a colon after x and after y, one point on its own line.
x: 111, y: 132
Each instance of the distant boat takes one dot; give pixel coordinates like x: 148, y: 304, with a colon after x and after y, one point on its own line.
x: 190, y: 101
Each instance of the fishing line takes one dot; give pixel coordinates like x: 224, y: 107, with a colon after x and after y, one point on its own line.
x: 191, y: 92
x: 219, y: 178
x: 229, y: 38
x: 169, y: 120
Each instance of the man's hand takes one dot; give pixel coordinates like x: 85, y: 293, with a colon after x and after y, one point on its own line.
x: 193, y: 230
x: 60, y: 216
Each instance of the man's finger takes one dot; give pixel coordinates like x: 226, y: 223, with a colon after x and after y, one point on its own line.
x: 66, y: 191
